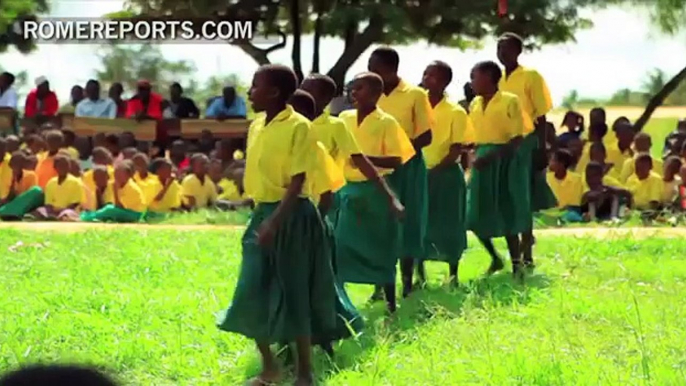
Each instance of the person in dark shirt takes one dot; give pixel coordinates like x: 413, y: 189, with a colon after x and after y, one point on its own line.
x: 182, y: 107
x: 115, y: 93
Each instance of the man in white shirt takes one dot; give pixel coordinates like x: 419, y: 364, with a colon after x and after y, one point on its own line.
x: 8, y: 96
x: 94, y: 106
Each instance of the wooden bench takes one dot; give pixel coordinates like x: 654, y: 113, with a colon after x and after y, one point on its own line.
x: 230, y: 128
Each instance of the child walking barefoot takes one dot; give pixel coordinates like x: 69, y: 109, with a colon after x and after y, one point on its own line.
x: 283, y: 290
x: 496, y: 186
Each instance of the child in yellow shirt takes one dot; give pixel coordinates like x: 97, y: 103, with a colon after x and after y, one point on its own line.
x: 45, y: 171
x: 63, y: 193
x: 672, y: 181
x: 566, y: 185
x: 645, y: 186
x: 285, y: 254
x: 197, y: 188
x: 101, y: 157
x: 125, y: 200
x: 143, y: 177
x: 24, y: 194
x: 601, y: 201
x: 642, y: 144
x: 166, y: 189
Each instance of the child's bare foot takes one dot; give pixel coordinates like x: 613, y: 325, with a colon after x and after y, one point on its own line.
x: 264, y: 379
x: 518, y: 272
x: 496, y: 265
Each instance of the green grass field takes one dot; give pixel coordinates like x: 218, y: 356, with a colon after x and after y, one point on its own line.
x: 658, y: 128
x: 142, y: 303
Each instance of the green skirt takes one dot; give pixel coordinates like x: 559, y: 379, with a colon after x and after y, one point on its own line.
x: 542, y: 197
x: 23, y: 203
x: 409, y: 181
x: 498, y: 197
x: 367, y: 236
x: 285, y: 290
x: 112, y: 213
x: 446, y: 236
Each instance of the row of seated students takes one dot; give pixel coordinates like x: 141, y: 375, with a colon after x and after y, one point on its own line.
x: 53, y: 184
x: 612, y: 171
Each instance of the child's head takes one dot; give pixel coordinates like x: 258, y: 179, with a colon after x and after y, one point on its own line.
x: 112, y: 144
x: 102, y: 156
x: 561, y: 161
x: 206, y: 137
x: 437, y: 76
x: 74, y: 167
x: 83, y: 146
x: 598, y: 116
x: 225, y: 149
x: 573, y: 121
x: 129, y: 152
x: 215, y: 171
x: 35, y: 143
x: 575, y: 146
x: 101, y: 176
x: 625, y: 133
x: 18, y: 161
x: 272, y: 86
x: 100, y: 140
x: 597, y: 152
x: 69, y: 138
x: 123, y: 171
x: 672, y: 167
x: 643, y: 142
x: 594, y: 175
x: 44, y: 375
x: 597, y: 131
x: 31, y: 162
x: 485, y: 77
x: 199, y: 164
x: 366, y: 90
x: 162, y: 167
x: 178, y: 149
x: 644, y: 164
x: 620, y: 121
x: 12, y: 143
x: 54, y: 139
x: 681, y: 125
x: 510, y: 46
x: 384, y: 61
x: 140, y: 162
x: 127, y: 139
x: 61, y: 165
x: 322, y: 88
x: 303, y: 103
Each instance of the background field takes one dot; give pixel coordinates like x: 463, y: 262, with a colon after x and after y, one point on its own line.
x: 143, y: 303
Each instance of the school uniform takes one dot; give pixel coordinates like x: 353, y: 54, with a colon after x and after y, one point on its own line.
x: 89, y: 181
x: 535, y: 100
x: 498, y: 198
x: 645, y: 191
x: 284, y: 290
x: 629, y: 167
x: 27, y: 196
x: 45, y: 170
x: 171, y: 199
x: 368, y: 237
x: 410, y: 106
x: 5, y: 176
x: 62, y: 195
x: 446, y: 234
x: 568, y: 190
x: 204, y: 192
x: 131, y: 198
x: 614, y: 156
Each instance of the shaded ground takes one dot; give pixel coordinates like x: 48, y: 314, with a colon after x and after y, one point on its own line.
x: 637, y: 232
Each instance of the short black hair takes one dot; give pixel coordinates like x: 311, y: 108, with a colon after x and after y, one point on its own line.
x: 126, y: 165
x: 598, y: 110
x: 112, y: 139
x: 594, y: 167
x: 325, y: 82
x: 598, y: 146
x: 373, y: 80
x: 177, y: 84
x: 9, y: 76
x: 491, y: 68
x: 514, y: 38
x: 68, y: 135
x: 445, y: 70
x: 56, y: 375
x: 599, y: 129
x: 674, y: 158
x: 197, y: 157
x: 644, y: 157
x: 282, y: 77
x: 388, y: 56
x: 564, y: 157
x: 91, y: 81
x: 303, y: 102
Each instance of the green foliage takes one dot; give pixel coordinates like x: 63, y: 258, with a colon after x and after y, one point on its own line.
x: 129, y: 64
x: 13, y: 10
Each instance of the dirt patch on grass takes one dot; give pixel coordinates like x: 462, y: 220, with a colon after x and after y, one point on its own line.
x: 572, y: 232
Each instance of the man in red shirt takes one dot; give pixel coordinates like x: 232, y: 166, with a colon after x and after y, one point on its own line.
x: 145, y: 104
x: 41, y: 101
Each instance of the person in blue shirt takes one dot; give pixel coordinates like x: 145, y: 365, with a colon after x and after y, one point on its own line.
x: 94, y: 106
x: 228, y: 106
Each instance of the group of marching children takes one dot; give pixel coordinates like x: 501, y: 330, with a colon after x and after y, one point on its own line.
x: 344, y: 199
x: 43, y: 176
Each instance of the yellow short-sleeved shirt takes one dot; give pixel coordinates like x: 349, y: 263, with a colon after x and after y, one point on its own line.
x: 147, y: 185
x: 532, y: 90
x: 646, y: 191
x: 204, y: 192
x: 501, y: 121
x: 65, y: 194
x: 410, y: 106
x: 613, y: 156
x: 130, y: 195
x: 73, y: 153
x: 326, y: 176
x: 88, y: 180
x: 452, y: 126
x: 568, y: 191
x: 277, y: 151
x: 607, y: 181
x: 229, y: 190
x: 336, y: 138
x: 629, y: 168
x: 5, y: 176
x: 379, y: 135
x: 171, y: 199
x: 28, y: 181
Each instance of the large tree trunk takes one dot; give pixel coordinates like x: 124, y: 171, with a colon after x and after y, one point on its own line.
x: 355, y: 46
x: 316, y: 42
x: 260, y: 55
x: 297, y: 32
x: 659, y: 98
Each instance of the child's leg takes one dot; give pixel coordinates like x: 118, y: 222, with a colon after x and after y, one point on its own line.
x: 406, y: 272
x: 452, y: 270
x: 421, y: 273
x: 514, y: 249
x: 389, y: 291
x: 614, y: 213
x: 592, y: 208
x: 496, y: 260
x: 304, y: 376
x: 270, y: 370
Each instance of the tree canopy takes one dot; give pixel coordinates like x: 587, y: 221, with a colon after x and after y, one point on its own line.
x: 12, y: 11
x: 362, y: 23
